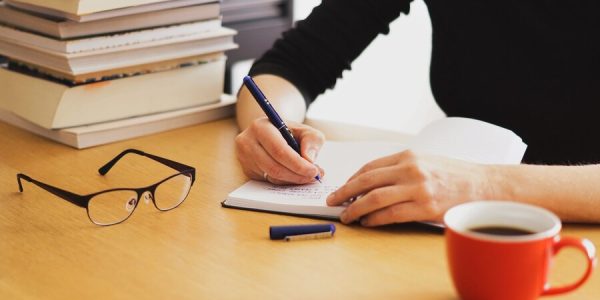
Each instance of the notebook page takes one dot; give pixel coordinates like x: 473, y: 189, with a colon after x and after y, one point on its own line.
x: 471, y: 140
x: 340, y: 160
x: 313, y: 194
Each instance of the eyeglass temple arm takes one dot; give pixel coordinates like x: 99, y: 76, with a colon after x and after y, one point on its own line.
x: 172, y: 164
x: 71, y: 197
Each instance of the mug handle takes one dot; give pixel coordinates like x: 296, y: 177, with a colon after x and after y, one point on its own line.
x: 587, y: 248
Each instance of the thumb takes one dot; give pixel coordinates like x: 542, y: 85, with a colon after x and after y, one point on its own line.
x: 311, y: 142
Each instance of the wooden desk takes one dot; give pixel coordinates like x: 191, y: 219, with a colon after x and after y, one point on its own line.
x: 50, y: 250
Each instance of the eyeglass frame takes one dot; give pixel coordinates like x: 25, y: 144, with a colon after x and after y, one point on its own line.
x: 83, y: 200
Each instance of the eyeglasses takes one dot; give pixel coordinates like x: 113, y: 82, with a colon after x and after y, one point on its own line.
x: 114, y: 206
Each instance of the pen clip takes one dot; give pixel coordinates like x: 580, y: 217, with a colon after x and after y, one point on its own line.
x: 309, y: 236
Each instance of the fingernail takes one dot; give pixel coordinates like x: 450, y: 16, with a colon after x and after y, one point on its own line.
x: 312, y: 154
x: 329, y: 198
x: 343, y: 217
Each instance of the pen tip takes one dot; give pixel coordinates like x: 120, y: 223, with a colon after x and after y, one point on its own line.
x: 318, y: 178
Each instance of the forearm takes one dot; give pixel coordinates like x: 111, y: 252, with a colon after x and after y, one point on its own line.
x: 572, y: 192
x: 284, y: 96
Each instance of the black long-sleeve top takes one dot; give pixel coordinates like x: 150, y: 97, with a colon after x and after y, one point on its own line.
x: 532, y: 66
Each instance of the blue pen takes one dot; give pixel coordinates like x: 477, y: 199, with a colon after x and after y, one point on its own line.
x: 290, y: 231
x: 273, y: 116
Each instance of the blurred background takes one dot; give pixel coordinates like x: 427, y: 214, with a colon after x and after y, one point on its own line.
x: 388, y: 87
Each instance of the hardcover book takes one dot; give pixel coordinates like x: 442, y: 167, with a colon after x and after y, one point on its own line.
x: 55, y: 105
x: 102, y: 133
x: 90, y: 10
x: 132, y: 54
x: 67, y: 29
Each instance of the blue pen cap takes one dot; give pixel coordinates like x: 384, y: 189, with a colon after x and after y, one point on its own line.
x: 280, y: 232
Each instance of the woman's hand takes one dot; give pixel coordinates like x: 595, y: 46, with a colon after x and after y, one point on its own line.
x: 265, y: 155
x: 409, y: 187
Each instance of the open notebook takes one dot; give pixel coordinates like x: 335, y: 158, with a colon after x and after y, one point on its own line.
x: 460, y: 138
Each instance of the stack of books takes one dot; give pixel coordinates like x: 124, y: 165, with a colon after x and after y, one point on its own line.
x: 88, y: 72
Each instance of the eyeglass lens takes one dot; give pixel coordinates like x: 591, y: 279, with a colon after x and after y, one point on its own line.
x: 112, y: 207
x: 116, y: 206
x: 172, y: 192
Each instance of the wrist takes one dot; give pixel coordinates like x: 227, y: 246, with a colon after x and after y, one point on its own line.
x: 499, y: 184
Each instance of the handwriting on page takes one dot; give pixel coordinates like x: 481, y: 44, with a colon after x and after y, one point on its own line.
x: 306, y: 192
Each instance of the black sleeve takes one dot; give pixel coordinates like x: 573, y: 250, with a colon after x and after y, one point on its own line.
x: 316, y: 52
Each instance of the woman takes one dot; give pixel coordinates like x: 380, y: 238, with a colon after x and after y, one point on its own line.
x: 529, y: 66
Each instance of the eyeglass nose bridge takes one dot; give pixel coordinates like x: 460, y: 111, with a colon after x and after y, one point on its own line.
x: 147, y: 196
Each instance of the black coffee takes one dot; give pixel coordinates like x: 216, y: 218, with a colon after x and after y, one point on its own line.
x: 501, y: 230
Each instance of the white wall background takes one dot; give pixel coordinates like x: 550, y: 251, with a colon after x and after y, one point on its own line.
x: 388, y: 86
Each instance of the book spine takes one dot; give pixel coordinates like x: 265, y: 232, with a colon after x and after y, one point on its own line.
x: 53, y: 105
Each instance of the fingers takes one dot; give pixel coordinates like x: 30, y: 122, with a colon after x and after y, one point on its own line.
x: 321, y: 171
x: 394, y: 204
x: 407, y: 155
x: 387, y: 205
x: 397, y: 213
x: 377, y: 199
x: 393, y: 189
x: 277, y: 172
x: 403, y: 173
x: 275, y: 145
x: 310, y: 141
x: 261, y: 149
x: 261, y: 163
x: 363, y: 183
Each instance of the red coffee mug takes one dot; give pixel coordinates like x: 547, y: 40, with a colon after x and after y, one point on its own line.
x: 493, y: 266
